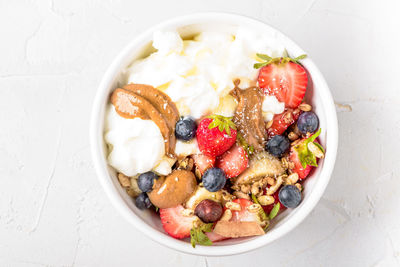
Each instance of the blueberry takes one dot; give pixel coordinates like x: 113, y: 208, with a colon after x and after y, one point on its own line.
x: 208, y: 211
x: 146, y: 181
x: 278, y: 145
x: 308, y: 122
x: 185, y: 129
x: 290, y: 196
x: 143, y: 201
x: 214, y: 179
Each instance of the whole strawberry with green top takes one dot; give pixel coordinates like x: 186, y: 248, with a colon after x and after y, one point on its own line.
x: 215, y: 135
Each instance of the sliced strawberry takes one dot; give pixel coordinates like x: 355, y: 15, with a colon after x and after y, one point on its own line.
x: 285, y: 80
x: 215, y: 135
x: 234, y: 161
x: 175, y: 224
x: 302, y: 172
x: 282, y: 121
x: 203, y: 162
x: 244, y: 215
x: 215, y: 237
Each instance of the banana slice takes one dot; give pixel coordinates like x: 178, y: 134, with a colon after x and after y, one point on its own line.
x: 262, y: 165
x: 200, y: 194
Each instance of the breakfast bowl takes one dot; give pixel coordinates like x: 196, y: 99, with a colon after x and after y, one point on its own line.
x: 148, y: 222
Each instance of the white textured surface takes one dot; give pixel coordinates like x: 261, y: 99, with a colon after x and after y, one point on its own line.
x: 52, y: 56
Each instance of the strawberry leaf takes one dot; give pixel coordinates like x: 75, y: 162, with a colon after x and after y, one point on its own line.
x: 306, y: 157
x: 264, y: 56
x: 285, y: 58
x: 274, y: 211
x: 197, y: 235
x: 223, y: 123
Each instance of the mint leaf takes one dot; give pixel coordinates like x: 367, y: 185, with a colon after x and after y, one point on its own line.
x: 198, y: 236
x: 274, y: 211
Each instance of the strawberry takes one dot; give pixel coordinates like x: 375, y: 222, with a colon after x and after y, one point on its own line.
x: 234, y: 161
x: 203, y: 162
x: 215, y: 135
x: 282, y: 121
x: 244, y: 215
x: 303, y: 158
x: 284, y: 78
x: 175, y: 224
x: 302, y: 172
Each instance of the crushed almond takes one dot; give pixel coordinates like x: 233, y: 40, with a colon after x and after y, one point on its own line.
x: 254, y: 208
x: 271, y: 181
x: 124, y: 180
x: 305, y: 107
x: 279, y: 181
x: 239, y: 194
x: 299, y: 186
x: 315, y: 150
x: 233, y: 206
x: 226, y: 216
x: 293, y: 136
x: 292, y: 178
x: 266, y: 200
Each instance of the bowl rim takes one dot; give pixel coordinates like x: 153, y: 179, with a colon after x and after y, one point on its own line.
x: 100, y: 164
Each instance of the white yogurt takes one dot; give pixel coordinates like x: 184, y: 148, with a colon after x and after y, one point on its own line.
x: 197, y: 75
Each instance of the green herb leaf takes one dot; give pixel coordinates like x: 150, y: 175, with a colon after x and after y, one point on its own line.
x: 197, y: 235
x: 306, y: 157
x: 223, y: 123
x: 259, y: 65
x: 285, y: 58
x: 274, y: 211
x: 264, y: 56
x: 300, y: 57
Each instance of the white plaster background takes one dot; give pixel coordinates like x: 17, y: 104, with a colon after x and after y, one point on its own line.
x: 52, y: 56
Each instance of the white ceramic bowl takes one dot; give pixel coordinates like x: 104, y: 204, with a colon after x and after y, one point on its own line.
x: 149, y: 223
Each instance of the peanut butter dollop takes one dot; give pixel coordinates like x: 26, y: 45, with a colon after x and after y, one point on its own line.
x: 173, y: 190
x: 248, y: 115
x: 146, y: 102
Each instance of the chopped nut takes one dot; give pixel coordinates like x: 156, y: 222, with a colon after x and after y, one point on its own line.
x: 233, y: 206
x: 185, y: 164
x: 315, y: 150
x: 296, y: 130
x: 226, y: 197
x: 275, y: 187
x: 187, y: 212
x: 124, y: 180
x: 226, y: 216
x: 292, y: 178
x: 245, y: 188
x: 131, y: 192
x: 239, y: 194
x: 293, y: 136
x: 269, y: 124
x: 236, y: 187
x: 305, y: 107
x: 266, y: 200
x: 134, y: 185
x: 284, y: 162
x: 256, y: 189
x: 299, y: 186
x: 271, y: 181
x: 288, y: 117
x: 290, y: 165
x: 254, y: 208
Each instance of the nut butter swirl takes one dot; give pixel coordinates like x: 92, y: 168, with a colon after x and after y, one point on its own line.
x: 146, y: 102
x: 248, y: 115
